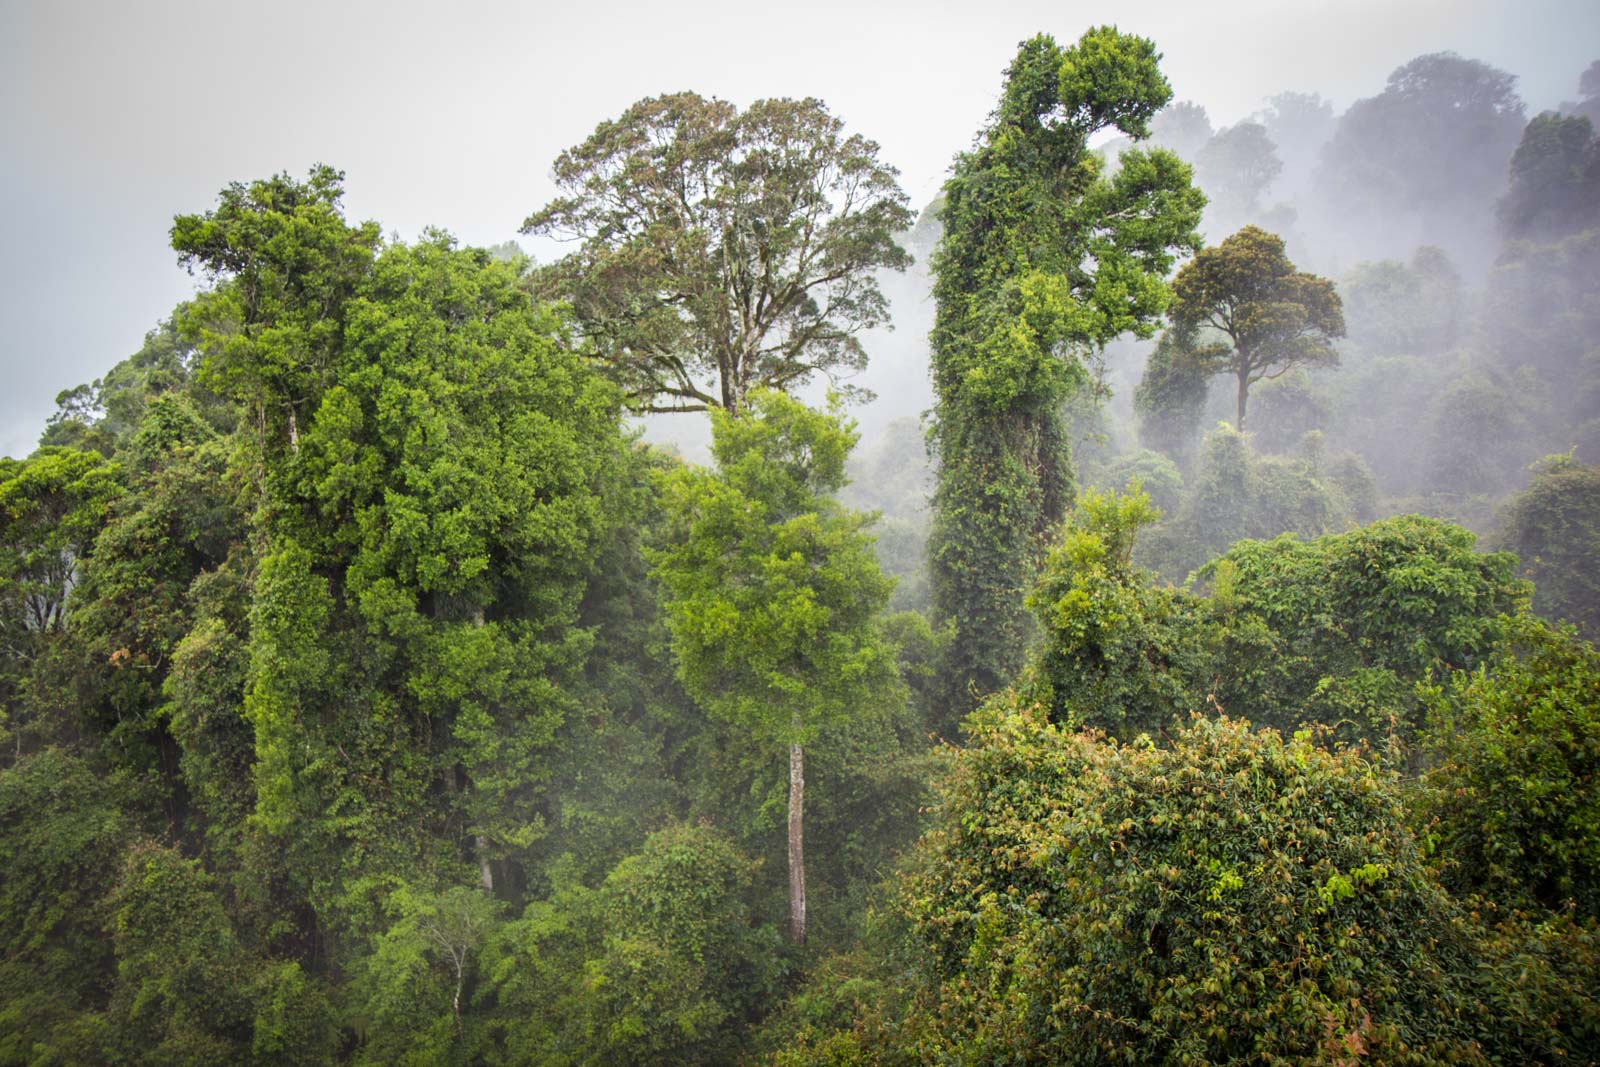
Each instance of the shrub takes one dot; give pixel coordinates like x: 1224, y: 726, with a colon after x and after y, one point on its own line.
x: 1235, y: 897
x: 1512, y: 797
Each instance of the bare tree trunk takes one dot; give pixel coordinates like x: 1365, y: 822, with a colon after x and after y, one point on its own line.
x: 485, y: 875
x: 1244, y: 395
x: 481, y: 842
x: 797, y: 859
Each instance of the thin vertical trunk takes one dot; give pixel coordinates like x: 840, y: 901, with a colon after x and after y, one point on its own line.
x: 1244, y: 395
x: 797, y: 859
x: 457, y: 1003
x: 485, y: 875
x: 480, y: 841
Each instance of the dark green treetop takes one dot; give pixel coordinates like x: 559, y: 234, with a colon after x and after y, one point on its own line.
x: 1273, y: 317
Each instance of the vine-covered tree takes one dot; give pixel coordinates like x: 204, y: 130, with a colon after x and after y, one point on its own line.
x: 1044, y: 260
x: 1085, y: 902
x: 271, y: 339
x: 1274, y: 318
x: 722, y: 250
x: 428, y: 460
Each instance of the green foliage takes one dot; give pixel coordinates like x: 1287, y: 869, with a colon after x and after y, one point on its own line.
x: 732, y: 246
x: 773, y: 592
x: 205, y: 696
x: 1272, y: 316
x: 1537, y: 971
x: 410, y: 993
x: 428, y: 465
x: 836, y: 1016
x: 294, y: 1021
x: 1235, y: 493
x: 1157, y: 476
x: 1340, y: 629
x: 1044, y: 259
x: 63, y: 826
x: 52, y: 506
x: 629, y: 745
x: 664, y: 962
x: 132, y: 608
x: 682, y: 967
x: 1236, y: 167
x: 1554, y: 528
x: 1510, y: 797
x: 181, y: 994
x: 1232, y: 897
x: 1287, y: 409
x: 289, y: 667
x: 1479, y: 429
x: 1398, y: 309
x: 1115, y: 647
x: 1337, y: 631
x: 1555, y: 178
x: 531, y: 997
x: 272, y: 334
x: 459, y: 468
x: 1170, y: 398
x: 103, y: 415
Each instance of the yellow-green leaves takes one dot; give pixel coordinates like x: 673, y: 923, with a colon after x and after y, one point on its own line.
x: 773, y: 593
x: 1226, y: 898
x: 1112, y: 79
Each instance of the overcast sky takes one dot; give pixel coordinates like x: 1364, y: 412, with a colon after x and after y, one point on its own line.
x: 118, y: 115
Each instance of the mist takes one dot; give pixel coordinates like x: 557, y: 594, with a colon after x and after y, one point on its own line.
x: 731, y: 535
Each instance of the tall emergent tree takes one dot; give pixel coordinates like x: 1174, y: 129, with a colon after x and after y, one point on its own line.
x: 271, y: 340
x: 773, y: 593
x: 1044, y: 260
x: 1274, y: 318
x: 723, y: 250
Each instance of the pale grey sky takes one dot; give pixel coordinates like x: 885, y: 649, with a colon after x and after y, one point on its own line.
x: 118, y: 115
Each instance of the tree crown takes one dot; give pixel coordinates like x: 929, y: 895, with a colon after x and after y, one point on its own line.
x: 721, y: 250
x: 1274, y: 316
